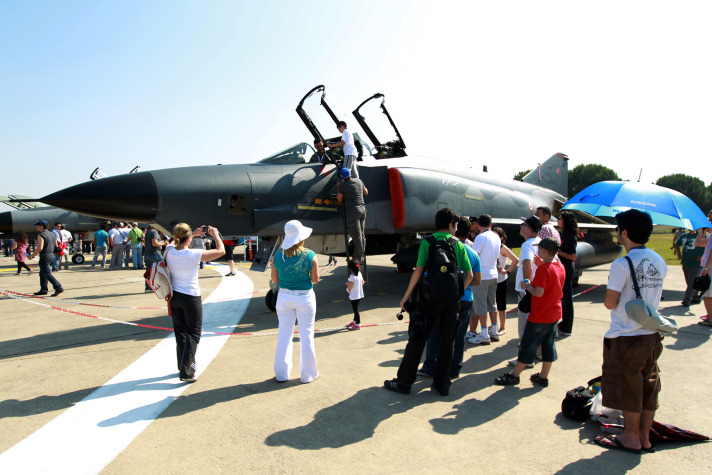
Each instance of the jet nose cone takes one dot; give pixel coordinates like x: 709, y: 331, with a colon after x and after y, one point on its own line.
x: 131, y: 196
x: 6, y: 222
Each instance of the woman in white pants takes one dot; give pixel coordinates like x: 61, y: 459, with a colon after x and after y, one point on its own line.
x: 295, y: 269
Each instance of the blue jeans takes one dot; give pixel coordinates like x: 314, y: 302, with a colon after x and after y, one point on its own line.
x: 431, y: 349
x: 150, y: 260
x: 100, y: 250
x: 46, y: 275
x: 137, y: 255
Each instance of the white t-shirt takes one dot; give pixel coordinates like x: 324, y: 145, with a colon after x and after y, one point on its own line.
x: 501, y: 264
x: 650, y: 271
x: 356, y: 292
x: 348, y: 138
x: 183, y: 265
x: 528, y: 252
x: 66, y: 235
x: 116, y: 237
x: 487, y: 245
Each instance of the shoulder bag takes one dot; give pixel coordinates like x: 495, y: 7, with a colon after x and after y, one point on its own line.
x: 645, y: 315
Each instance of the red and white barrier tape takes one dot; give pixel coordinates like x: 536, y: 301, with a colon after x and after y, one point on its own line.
x: 15, y: 295
x: 74, y: 302
x: 154, y: 327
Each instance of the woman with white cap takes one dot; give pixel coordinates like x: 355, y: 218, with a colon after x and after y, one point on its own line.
x: 296, y: 270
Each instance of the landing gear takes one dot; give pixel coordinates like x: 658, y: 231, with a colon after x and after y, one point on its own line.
x: 78, y: 258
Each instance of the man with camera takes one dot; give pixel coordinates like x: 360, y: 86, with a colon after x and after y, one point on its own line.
x: 442, y: 313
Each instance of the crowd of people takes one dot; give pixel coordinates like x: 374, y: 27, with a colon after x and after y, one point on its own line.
x: 459, y: 283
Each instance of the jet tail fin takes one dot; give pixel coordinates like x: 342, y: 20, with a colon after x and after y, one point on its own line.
x: 552, y: 174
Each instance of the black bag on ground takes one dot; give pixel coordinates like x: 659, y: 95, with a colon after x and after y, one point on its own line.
x: 443, y: 283
x: 577, y: 403
x: 525, y: 305
x: 701, y: 283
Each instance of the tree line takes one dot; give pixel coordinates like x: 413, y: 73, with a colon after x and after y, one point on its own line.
x: 585, y: 175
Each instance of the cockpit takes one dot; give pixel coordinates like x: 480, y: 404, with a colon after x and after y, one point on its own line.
x: 321, y: 115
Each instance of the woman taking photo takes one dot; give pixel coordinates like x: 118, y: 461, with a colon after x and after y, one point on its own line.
x: 20, y: 248
x: 295, y: 270
x: 567, y: 255
x: 186, y: 304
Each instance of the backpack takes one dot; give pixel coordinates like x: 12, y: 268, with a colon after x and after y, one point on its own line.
x: 578, y: 401
x: 158, y: 277
x: 443, y: 283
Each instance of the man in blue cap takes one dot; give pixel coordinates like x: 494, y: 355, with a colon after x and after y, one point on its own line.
x: 45, y: 249
x: 353, y: 190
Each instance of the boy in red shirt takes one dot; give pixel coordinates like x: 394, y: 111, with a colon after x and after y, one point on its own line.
x: 546, y: 290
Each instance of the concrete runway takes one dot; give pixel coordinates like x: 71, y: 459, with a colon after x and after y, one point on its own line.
x: 237, y: 419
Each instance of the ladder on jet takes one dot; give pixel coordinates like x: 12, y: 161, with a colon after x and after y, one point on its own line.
x: 363, y: 266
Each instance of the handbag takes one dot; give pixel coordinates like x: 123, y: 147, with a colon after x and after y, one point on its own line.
x: 701, y: 283
x: 525, y: 305
x: 645, y: 315
x: 158, y: 277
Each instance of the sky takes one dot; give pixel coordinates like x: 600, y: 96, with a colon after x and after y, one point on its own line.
x: 159, y: 84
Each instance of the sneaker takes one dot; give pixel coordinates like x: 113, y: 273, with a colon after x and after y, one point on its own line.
x: 189, y: 380
x: 41, y: 292
x: 57, y: 292
x: 422, y: 372
x: 229, y: 274
x: 515, y: 361
x: 392, y: 385
x: 494, y: 336
x: 506, y: 380
x: 469, y: 335
x: 480, y: 340
x: 353, y: 326
x: 704, y: 323
x: 685, y: 304
x: 147, y: 291
x: 29, y: 272
x: 501, y: 332
x: 536, y: 379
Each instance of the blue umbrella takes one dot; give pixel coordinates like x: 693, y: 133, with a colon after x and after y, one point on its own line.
x: 665, y: 206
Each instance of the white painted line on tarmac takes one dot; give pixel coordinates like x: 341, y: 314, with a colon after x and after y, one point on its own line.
x: 88, y: 436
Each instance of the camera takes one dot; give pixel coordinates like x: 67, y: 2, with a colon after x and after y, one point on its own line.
x: 206, y: 229
x: 399, y: 316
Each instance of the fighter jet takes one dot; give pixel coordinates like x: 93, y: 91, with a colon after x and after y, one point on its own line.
x: 405, y: 192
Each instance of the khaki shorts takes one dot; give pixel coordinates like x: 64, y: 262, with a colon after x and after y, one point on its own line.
x: 631, y: 380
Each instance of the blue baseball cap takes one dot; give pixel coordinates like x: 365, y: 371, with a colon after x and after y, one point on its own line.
x: 41, y: 222
x: 345, y: 173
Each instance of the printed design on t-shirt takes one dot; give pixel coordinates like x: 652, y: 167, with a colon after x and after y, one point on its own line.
x: 648, y: 275
x: 299, y: 266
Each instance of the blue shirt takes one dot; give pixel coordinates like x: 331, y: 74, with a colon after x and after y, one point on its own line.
x: 294, y: 272
x: 101, y: 236
x: 475, y: 263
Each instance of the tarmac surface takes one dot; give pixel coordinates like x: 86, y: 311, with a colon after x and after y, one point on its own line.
x: 237, y: 419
